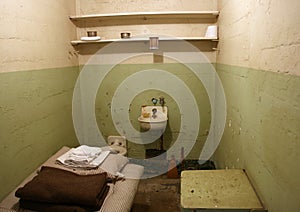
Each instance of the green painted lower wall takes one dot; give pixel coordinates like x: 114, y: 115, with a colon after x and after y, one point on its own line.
x: 262, y: 133
x: 35, y: 120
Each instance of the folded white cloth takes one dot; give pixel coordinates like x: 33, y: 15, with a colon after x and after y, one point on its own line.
x: 86, y: 151
x: 83, y: 157
x: 73, y: 160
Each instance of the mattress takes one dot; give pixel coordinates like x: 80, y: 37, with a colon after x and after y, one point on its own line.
x: 119, y: 198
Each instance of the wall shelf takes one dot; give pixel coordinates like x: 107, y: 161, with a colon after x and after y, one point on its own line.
x: 77, y: 42
x: 92, y: 21
x: 151, y: 15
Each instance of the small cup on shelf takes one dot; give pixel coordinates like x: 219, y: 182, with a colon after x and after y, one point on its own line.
x: 91, y: 33
x: 125, y: 34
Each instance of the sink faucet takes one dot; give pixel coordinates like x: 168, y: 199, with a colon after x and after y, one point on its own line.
x: 162, y: 102
x: 154, y: 111
x: 154, y: 100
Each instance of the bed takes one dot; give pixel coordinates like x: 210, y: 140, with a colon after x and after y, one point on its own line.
x: 121, y: 192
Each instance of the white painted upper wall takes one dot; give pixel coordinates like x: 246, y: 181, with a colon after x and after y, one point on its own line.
x: 36, y: 34
x: 260, y: 34
x: 85, y: 7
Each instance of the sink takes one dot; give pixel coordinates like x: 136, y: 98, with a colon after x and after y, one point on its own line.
x: 153, y: 117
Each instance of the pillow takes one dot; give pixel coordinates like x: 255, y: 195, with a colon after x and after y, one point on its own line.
x: 108, y: 148
x: 114, y: 163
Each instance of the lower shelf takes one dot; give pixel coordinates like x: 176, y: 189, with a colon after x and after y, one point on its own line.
x: 77, y: 42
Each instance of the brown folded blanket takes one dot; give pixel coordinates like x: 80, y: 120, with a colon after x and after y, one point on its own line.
x: 48, y: 207
x: 60, y: 187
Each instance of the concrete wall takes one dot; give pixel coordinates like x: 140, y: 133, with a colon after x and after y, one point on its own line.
x: 36, y: 35
x: 38, y: 69
x: 260, y: 34
x: 257, y: 39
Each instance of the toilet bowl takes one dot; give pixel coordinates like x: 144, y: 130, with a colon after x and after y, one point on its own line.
x: 118, y: 144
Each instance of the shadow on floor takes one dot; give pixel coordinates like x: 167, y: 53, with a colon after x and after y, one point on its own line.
x: 158, y: 194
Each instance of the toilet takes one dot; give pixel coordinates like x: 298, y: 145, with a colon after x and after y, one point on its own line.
x: 118, y: 143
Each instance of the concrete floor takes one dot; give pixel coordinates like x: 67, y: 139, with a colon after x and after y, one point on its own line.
x: 158, y: 194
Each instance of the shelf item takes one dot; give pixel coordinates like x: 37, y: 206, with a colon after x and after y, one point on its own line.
x: 151, y: 15
x: 95, y: 38
x: 76, y: 42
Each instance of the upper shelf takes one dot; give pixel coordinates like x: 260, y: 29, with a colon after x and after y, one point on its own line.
x: 151, y: 15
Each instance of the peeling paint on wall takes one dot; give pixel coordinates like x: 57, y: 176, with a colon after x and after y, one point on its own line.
x: 258, y: 38
x: 35, y: 120
x: 36, y: 35
x: 263, y: 132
